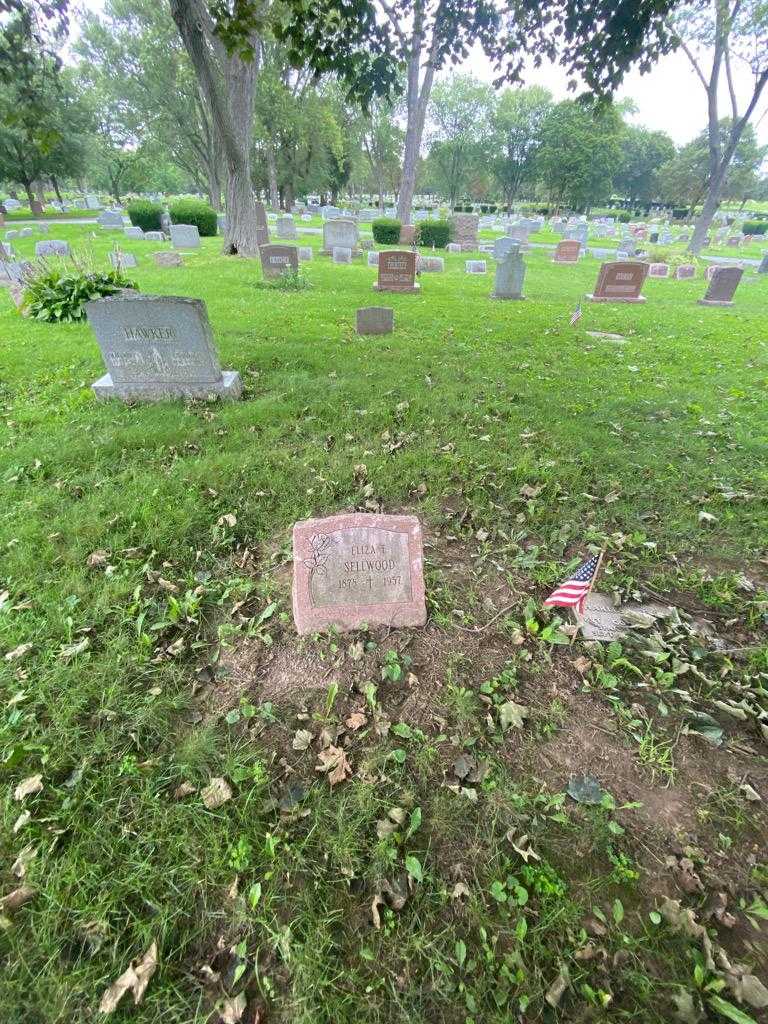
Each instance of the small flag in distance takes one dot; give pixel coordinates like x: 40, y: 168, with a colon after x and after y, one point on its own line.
x: 573, y: 592
x: 576, y: 316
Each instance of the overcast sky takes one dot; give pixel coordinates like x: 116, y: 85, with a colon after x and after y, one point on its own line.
x: 670, y: 98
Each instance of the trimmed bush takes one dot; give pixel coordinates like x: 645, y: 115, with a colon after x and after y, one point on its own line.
x: 624, y: 217
x: 194, y: 211
x: 145, y: 214
x: 755, y: 227
x: 57, y: 295
x: 386, y: 231
x: 435, y: 232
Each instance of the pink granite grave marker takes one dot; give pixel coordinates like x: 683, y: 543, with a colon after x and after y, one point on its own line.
x: 358, y: 569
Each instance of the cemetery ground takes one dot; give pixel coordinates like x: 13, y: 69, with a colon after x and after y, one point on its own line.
x: 170, y: 744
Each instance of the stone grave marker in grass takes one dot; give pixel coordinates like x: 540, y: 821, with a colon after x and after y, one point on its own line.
x: 168, y: 259
x: 358, y: 569
x: 475, y: 266
x: 658, y: 270
x: 620, y: 282
x: 397, y: 272
x: 341, y: 253
x: 122, y: 260
x: 567, y: 251
x: 685, y: 271
x: 262, y: 225
x: 722, y: 286
x: 286, y: 228
x: 340, y: 232
x: 156, y: 347
x: 510, y: 274
x: 52, y: 247
x: 185, y: 236
x: 276, y: 259
x: 375, y: 320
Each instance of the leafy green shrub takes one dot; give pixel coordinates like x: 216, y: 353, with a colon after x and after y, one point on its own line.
x: 145, y: 214
x: 386, y: 231
x: 755, y: 227
x: 194, y: 211
x: 57, y: 294
x: 624, y: 217
x: 435, y: 232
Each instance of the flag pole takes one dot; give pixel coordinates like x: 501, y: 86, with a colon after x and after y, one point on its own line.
x: 595, y: 575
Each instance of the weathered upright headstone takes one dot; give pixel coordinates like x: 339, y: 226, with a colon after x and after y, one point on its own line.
x: 122, y: 260
x: 36, y: 207
x: 475, y: 266
x: 277, y: 259
x: 133, y: 232
x: 185, y: 236
x: 157, y: 346
x: 464, y: 230
x: 110, y: 219
x: 620, y: 282
x: 262, y: 224
x: 567, y: 251
x: 154, y: 236
x: 341, y: 254
x: 375, y: 320
x: 722, y: 287
x: 52, y: 247
x: 340, y: 232
x: 453, y: 247
x: 407, y: 234
x: 286, y: 228
x: 397, y: 271
x: 358, y: 570
x: 510, y: 274
x: 763, y: 268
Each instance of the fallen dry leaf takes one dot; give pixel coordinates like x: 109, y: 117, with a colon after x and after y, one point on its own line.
x: 229, y: 520
x: 167, y: 585
x: 17, y: 898
x: 21, y: 821
x: 18, y: 652
x: 557, y: 989
x: 302, y: 739
x: 582, y: 665
x: 378, y: 901
x: 333, y: 761
x: 19, y: 866
x: 233, y: 1009
x: 356, y: 721
x: 184, y: 789
x: 28, y: 787
x: 459, y: 890
x: 217, y: 792
x: 97, y: 558
x: 135, y: 979
x: 72, y: 650
x: 527, y: 491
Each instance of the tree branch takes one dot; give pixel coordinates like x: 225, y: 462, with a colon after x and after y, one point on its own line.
x: 395, y: 23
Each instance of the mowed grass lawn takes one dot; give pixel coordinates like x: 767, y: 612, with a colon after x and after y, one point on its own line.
x: 146, y: 644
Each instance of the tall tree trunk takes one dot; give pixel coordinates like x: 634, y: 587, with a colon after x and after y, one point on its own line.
x: 55, y: 183
x: 30, y: 195
x: 417, y: 100
x: 274, y: 194
x: 231, y: 105
x: 708, y: 211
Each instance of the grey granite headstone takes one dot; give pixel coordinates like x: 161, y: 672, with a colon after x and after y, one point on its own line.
x: 341, y: 253
x: 185, y: 236
x: 52, y: 247
x: 510, y: 274
x: 154, y: 236
x: 91, y: 203
x: 474, y: 266
x: 305, y: 252
x: 430, y: 264
x: 601, y: 620
x: 156, y: 347
x: 168, y: 259
x: 286, y: 227
x: 373, y: 259
x: 453, y: 247
x: 763, y: 268
x: 110, y: 219
x: 9, y: 235
x: 122, y: 260
x: 25, y: 233
x: 375, y: 320
x: 340, y: 233
x: 503, y: 245
x: 133, y: 232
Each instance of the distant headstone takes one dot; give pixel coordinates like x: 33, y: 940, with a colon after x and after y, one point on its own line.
x: 330, y: 212
x: 340, y: 232
x: 122, y: 260
x: 158, y: 346
x: 133, y: 232
x: 11, y: 234
x: 734, y: 241
x: 154, y: 236
x: 277, y: 259
x: 567, y: 251
x: 475, y: 266
x: 25, y: 233
x: 185, y: 236
x: 453, y: 247
x: 503, y: 245
x: 168, y: 259
x: 685, y: 271
x: 110, y: 219
x: 464, y: 232
x: 286, y: 228
x: 36, y: 207
x: 407, y: 234
x: 375, y: 320
x: 52, y: 247
x: 13, y: 270
x: 430, y: 265
x: 165, y: 222
x: 397, y: 271
x: 658, y: 270
x: 722, y: 287
x: 341, y: 254
x: 43, y: 228
x: 355, y: 570
x: 366, y: 244
x: 373, y: 259
x: 620, y: 282
x: 12, y: 204
x: 305, y: 252
x: 510, y: 274
x: 763, y: 268
x: 90, y: 203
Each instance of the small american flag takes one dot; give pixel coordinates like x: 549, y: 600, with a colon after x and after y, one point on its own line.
x: 574, y: 591
x: 575, y: 316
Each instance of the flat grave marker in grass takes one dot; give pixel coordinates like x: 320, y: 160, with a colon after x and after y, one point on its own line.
x: 375, y: 320
x: 620, y: 282
x: 722, y: 287
x: 397, y: 272
x: 658, y: 270
x: 602, y: 620
x: 168, y: 259
x: 156, y: 347
x: 51, y: 247
x: 277, y: 259
x: 358, y: 569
